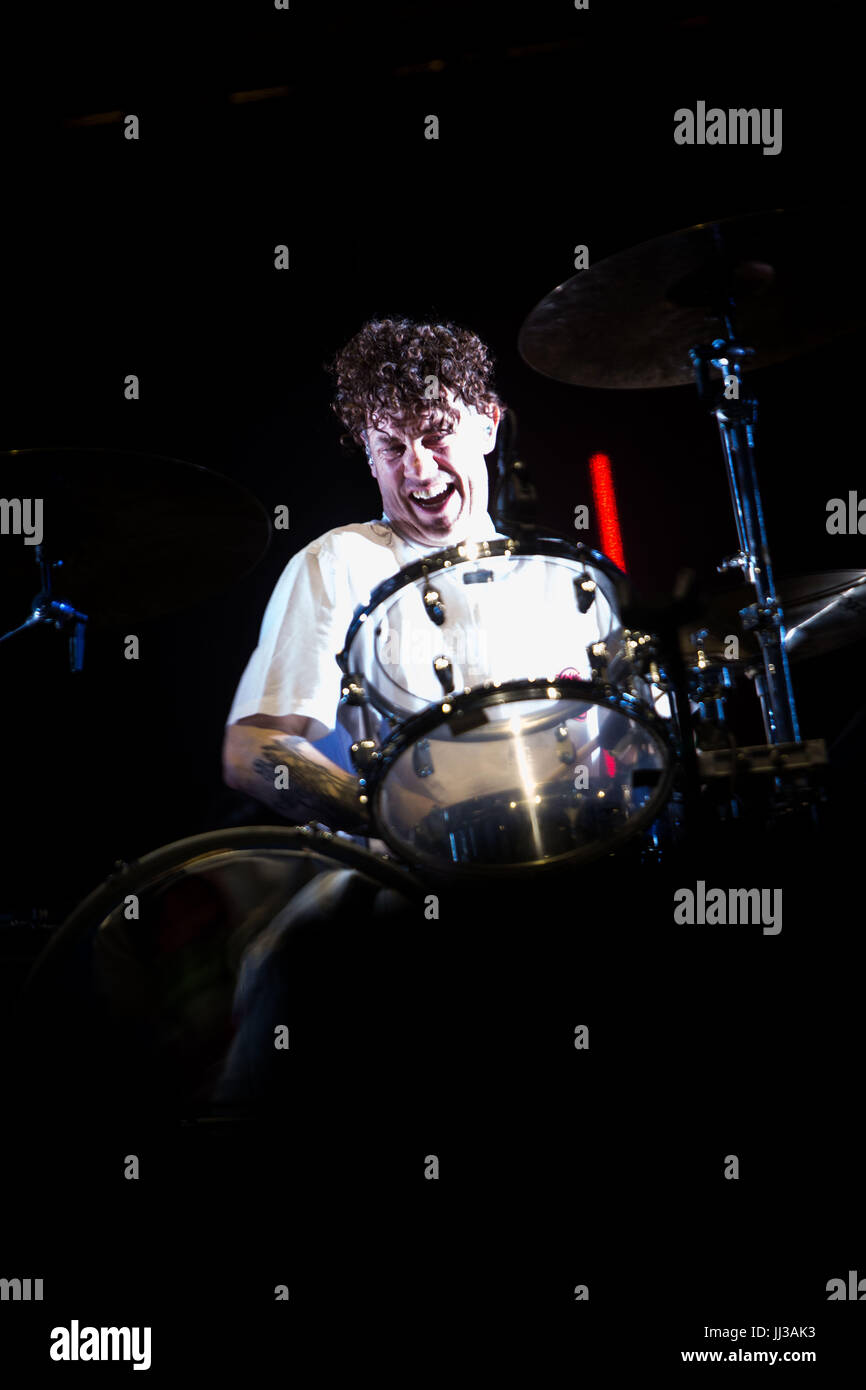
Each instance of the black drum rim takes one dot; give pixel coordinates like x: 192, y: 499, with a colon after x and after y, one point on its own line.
x: 158, y: 865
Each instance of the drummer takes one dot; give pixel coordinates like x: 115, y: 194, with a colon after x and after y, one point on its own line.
x: 418, y: 399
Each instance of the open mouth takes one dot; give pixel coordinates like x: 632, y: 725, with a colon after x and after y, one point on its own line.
x: 434, y: 504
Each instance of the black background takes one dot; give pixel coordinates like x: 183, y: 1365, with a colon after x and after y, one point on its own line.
x: 156, y: 257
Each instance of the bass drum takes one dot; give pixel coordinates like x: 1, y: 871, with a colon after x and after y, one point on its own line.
x: 138, y: 984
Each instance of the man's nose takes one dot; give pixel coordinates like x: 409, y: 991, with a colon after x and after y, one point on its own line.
x: 419, y: 462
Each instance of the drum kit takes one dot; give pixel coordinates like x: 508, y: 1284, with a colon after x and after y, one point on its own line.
x: 522, y: 711
x: 492, y: 744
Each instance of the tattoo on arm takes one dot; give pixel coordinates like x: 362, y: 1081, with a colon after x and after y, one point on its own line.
x: 314, y: 792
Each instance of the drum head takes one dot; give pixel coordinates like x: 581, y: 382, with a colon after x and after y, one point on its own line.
x: 492, y: 610
x: 521, y: 777
x: 142, y: 975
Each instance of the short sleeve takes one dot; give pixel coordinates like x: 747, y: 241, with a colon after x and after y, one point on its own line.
x: 294, y: 670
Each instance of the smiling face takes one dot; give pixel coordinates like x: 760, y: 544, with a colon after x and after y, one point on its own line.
x: 433, y: 483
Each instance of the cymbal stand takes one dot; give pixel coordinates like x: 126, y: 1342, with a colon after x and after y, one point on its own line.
x: 790, y: 763
x: 48, y: 609
x: 736, y: 420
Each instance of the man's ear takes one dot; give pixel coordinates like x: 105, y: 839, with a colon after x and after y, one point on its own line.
x: 491, y: 428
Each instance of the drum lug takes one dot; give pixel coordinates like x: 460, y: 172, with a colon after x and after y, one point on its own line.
x: 566, y: 753
x: 352, y: 690
x: 599, y: 657
x: 433, y: 605
x: 421, y: 761
x: 364, y: 754
x: 444, y: 673
x: 584, y: 592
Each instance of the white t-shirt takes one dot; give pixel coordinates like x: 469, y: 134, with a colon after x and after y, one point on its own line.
x: 294, y: 669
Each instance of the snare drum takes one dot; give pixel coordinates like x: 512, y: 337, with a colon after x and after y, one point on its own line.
x: 520, y: 777
x: 503, y: 746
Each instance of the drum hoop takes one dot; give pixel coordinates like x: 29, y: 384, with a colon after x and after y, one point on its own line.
x: 551, y: 546
x: 299, y: 841
x: 596, y: 692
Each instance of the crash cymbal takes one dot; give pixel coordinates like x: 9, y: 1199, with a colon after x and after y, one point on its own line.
x: 822, y: 612
x: 629, y: 321
x: 138, y: 535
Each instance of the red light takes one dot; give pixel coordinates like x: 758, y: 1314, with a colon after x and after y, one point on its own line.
x: 604, y: 499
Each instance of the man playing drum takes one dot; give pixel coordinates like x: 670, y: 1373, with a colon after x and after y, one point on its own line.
x: 418, y: 399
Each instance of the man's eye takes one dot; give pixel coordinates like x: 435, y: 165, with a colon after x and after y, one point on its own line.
x: 429, y: 439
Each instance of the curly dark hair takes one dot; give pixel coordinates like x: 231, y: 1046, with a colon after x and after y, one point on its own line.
x: 384, y: 372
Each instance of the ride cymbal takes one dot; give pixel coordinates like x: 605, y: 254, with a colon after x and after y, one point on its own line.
x: 628, y: 322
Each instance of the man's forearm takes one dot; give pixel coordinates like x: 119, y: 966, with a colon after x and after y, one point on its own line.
x: 293, y: 778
